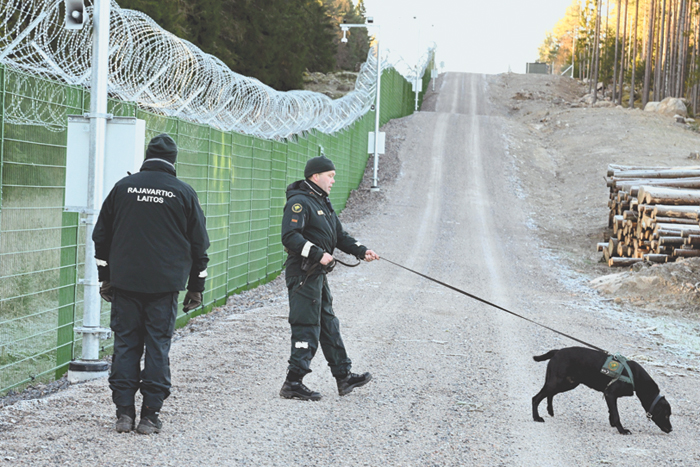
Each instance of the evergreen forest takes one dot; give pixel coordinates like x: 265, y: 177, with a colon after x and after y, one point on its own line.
x: 275, y: 41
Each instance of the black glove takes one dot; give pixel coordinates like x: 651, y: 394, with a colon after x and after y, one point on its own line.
x: 192, y: 301
x: 106, y: 291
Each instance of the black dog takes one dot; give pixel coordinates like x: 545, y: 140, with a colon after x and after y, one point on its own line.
x: 569, y: 367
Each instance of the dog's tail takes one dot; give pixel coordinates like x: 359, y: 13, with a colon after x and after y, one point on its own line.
x: 547, y: 356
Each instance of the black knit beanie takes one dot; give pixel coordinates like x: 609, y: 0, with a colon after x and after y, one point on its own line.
x: 317, y: 165
x: 162, y: 147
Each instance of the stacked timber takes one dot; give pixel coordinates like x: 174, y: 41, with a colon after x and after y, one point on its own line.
x: 654, y: 214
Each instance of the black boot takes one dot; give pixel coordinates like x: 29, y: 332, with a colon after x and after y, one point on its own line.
x: 351, y: 381
x: 126, y: 414
x: 293, y: 388
x: 149, y: 423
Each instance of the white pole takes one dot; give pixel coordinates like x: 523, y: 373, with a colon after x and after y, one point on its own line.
x: 415, y: 106
x: 375, y: 186
x: 345, y: 27
x: 90, y: 367
x: 415, y: 86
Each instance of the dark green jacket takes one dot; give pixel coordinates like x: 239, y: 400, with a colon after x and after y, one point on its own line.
x: 311, y: 227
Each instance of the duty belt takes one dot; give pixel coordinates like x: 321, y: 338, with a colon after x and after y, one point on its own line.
x: 309, y: 267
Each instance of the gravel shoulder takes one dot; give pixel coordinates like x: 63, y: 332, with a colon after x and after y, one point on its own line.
x: 491, y: 192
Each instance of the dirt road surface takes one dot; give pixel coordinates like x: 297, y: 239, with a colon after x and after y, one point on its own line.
x: 453, y: 378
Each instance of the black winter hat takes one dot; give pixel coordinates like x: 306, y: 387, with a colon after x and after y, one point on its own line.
x: 317, y: 165
x: 162, y: 147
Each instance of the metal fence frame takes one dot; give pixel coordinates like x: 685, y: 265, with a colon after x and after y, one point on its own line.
x: 240, y: 180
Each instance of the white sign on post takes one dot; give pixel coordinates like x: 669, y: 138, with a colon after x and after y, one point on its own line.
x: 124, y: 152
x: 380, y: 143
x: 418, y: 85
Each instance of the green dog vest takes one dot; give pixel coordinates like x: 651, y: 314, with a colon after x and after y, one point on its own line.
x: 613, y: 368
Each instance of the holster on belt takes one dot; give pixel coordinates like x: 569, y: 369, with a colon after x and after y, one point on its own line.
x: 308, y: 266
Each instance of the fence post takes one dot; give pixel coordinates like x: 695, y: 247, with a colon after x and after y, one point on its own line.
x: 67, y: 292
x: 3, y: 77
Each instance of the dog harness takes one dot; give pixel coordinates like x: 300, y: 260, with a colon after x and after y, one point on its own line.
x: 613, y: 368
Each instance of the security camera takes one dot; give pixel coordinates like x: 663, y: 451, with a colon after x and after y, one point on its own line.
x: 370, y: 20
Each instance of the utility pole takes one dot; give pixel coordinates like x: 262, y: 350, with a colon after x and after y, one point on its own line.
x: 90, y: 366
x: 370, y: 23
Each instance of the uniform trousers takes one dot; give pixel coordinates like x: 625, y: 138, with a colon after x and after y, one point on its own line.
x: 313, y: 321
x: 142, y: 320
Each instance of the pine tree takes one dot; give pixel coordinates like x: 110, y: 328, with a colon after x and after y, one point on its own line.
x: 271, y: 40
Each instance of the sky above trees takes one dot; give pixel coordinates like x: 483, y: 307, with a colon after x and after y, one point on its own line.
x: 471, y: 35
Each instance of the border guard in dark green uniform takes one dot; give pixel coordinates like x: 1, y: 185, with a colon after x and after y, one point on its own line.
x: 311, y: 231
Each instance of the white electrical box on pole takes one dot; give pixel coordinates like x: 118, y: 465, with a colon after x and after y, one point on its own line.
x: 379, y: 145
x: 417, y: 88
x: 125, y: 141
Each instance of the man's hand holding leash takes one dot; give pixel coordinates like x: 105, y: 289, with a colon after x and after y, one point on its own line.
x: 371, y: 256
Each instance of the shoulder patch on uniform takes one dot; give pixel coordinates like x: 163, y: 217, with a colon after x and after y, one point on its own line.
x: 296, y: 208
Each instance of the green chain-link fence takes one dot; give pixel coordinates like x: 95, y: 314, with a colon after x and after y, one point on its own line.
x: 240, y: 180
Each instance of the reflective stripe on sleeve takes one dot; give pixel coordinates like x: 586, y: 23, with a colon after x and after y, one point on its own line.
x: 100, y: 262
x: 307, y: 249
x: 203, y: 274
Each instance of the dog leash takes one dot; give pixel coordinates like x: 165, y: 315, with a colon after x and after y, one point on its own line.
x: 496, y: 306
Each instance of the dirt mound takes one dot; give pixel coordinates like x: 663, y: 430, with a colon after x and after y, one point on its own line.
x: 659, y: 287
x: 561, y: 147
x: 334, y: 85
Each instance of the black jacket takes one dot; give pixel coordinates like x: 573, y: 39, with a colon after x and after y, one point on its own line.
x: 311, y: 227
x: 152, y: 233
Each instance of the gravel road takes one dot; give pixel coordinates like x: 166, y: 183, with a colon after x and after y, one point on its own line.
x: 453, y: 378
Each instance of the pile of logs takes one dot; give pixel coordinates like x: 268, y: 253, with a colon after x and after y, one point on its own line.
x: 654, y: 214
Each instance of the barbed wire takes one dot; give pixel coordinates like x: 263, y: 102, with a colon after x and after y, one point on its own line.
x: 162, y: 73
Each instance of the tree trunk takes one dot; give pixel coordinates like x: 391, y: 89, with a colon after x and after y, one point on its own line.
x: 668, y: 56
x: 681, y: 212
x: 632, y: 186
x: 622, y: 59
x: 596, y: 52
x: 647, y: 67
x: 633, y: 67
x: 659, y: 54
x: 656, y: 258
x: 674, y: 241
x: 685, y: 253
x: 624, y: 262
x: 655, y: 173
x: 680, y: 79
x: 663, y: 195
x: 617, y: 42
x: 693, y: 240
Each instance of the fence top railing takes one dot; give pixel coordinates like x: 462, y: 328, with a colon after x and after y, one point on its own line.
x: 168, y: 75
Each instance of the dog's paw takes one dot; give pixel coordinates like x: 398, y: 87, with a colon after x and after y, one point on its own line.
x: 550, y: 411
x: 538, y: 419
x: 624, y: 431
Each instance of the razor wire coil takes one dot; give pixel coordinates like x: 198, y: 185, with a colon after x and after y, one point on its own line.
x: 166, y: 75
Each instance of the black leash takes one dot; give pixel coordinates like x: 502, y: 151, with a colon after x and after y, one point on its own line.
x: 496, y: 306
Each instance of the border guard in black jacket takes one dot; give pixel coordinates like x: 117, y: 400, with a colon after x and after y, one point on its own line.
x: 150, y: 240
x: 311, y: 231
